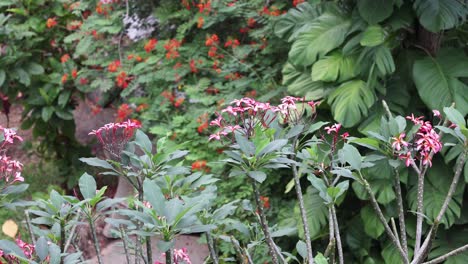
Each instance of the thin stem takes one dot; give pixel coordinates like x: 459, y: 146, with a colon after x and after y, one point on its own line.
x: 421, y: 254
x: 300, y: 198
x: 331, y: 236
x: 169, y: 258
x: 72, y: 232
x: 28, y: 224
x: 95, y: 240
x: 401, y: 213
x: 125, y: 245
x: 62, y: 239
x: 395, y: 231
x: 337, y: 234
x: 382, y: 219
x: 446, y: 256
x: 264, y: 224
x: 213, y: 255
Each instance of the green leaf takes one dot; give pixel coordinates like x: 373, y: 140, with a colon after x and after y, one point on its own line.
x: 259, y: 176
x: 316, y: 126
x: 455, y: 116
x: 373, y: 36
x: 448, y: 240
x: 47, y: 113
x: 55, y: 255
x: 352, y: 156
x: 437, y: 80
x: 335, y: 67
x: 272, y: 146
x: 372, y: 225
x: 325, y: 33
x: 15, y: 189
x: 83, y: 46
x: 320, y: 259
x: 23, y: 76
x: 351, y: 101
x: 356, y: 237
x: 95, y: 162
x: 9, y: 247
x: 34, y: 68
x: 374, y: 11
x: 143, y: 141
x: 296, y: 19
x: 384, y: 60
x: 437, y: 15
x: 87, y: 186
x: 154, y: 196
x: 301, y: 84
x: 301, y: 248
x: 247, y: 147
x: 2, y: 77
x: 391, y: 255
x: 41, y: 248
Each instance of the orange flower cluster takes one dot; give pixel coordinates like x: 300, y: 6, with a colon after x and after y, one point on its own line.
x: 265, y: 201
x: 51, y: 22
x: 200, y: 22
x: 123, y: 112
x: 234, y: 43
x: 142, y: 107
x: 122, y: 80
x: 200, y: 165
x: 204, y: 6
x: 203, y: 121
x: 175, y: 101
x: 137, y: 58
x: 65, y: 58
x: 233, y: 76
x: 64, y: 78
x: 172, y: 47
x: 150, y: 45
x: 103, y: 9
x: 113, y: 66
x: 272, y: 11
x: 193, y: 67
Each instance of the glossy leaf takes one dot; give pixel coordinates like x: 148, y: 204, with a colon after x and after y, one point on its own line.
x: 335, y: 67
x: 437, y: 15
x: 374, y: 11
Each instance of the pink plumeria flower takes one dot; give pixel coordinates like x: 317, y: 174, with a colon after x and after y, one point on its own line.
x: 436, y: 113
x: 408, y: 159
x: 335, y: 128
x: 399, y: 141
x: 217, y: 121
x: 415, y: 120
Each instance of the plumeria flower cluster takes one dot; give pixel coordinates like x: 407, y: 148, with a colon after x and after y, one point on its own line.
x: 426, y: 143
x: 28, y: 250
x: 10, y: 169
x: 114, y: 136
x: 180, y: 256
x: 335, y: 131
x: 243, y: 115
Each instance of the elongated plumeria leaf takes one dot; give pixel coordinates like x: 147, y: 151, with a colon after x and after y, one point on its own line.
x: 143, y: 141
x: 87, y: 186
x: 154, y: 196
x: 352, y: 156
x: 9, y: 247
x: 41, y: 248
x: 95, y: 162
x: 259, y: 176
x: 273, y: 146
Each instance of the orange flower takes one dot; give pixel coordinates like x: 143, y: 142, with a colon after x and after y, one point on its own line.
x: 251, y: 22
x: 179, y: 101
x: 142, y: 107
x: 265, y: 201
x: 122, y: 80
x: 172, y: 48
x: 200, y: 165
x: 75, y: 24
x: 296, y: 2
x: 193, y: 67
x: 139, y: 59
x: 51, y: 22
x: 65, y: 58
x: 74, y: 73
x: 113, y: 66
x: 64, y: 78
x: 123, y: 112
x: 200, y: 22
x: 149, y: 46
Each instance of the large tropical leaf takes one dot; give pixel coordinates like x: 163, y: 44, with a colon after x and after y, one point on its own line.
x: 300, y: 84
x: 351, y: 101
x: 437, y: 15
x: 316, y: 211
x: 335, y: 67
x: 325, y: 34
x: 436, y: 186
x: 372, y: 225
x: 356, y: 237
x: 374, y: 11
x: 294, y: 22
x: 437, y: 80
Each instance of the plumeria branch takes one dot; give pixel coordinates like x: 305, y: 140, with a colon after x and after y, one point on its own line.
x: 382, y: 219
x: 337, y: 235
x: 446, y: 256
x: 401, y: 213
x: 300, y: 198
x: 421, y: 254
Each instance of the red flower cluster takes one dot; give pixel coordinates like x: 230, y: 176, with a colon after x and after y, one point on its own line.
x: 265, y: 201
x: 232, y: 43
x: 200, y: 165
x: 114, y: 136
x: 122, y: 80
x: 175, y: 101
x: 64, y: 58
x: 123, y: 112
x: 113, y: 66
x: 296, y: 2
x: 172, y: 47
x: 150, y: 45
x: 51, y: 22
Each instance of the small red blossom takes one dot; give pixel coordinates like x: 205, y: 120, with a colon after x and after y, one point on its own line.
x: 113, y: 66
x: 74, y: 25
x: 193, y: 67
x: 200, y: 22
x: 83, y: 81
x: 172, y: 47
x: 296, y: 2
x: 142, y: 107
x: 265, y: 202
x: 123, y: 112
x: 51, y: 22
x: 74, y: 73
x: 150, y: 45
x: 64, y: 58
x: 122, y: 80
x: 64, y: 78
